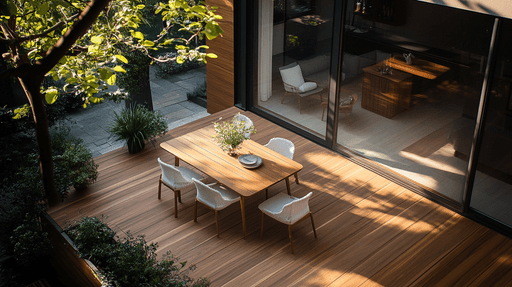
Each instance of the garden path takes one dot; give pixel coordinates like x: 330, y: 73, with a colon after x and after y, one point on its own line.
x: 169, y: 97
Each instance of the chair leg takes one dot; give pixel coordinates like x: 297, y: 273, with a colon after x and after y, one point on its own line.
x: 285, y: 94
x: 160, y: 188
x: 266, y: 193
x: 176, y: 203
x: 296, y: 178
x: 179, y: 196
x: 290, y: 234
x: 195, y: 211
x: 323, y: 111
x: 217, y: 221
x: 313, y: 224
x: 346, y: 116
x: 262, y: 219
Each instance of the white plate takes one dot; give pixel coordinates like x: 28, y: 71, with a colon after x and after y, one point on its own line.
x: 248, y: 159
x: 259, y: 161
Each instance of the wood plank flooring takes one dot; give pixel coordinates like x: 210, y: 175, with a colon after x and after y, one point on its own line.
x: 371, y: 232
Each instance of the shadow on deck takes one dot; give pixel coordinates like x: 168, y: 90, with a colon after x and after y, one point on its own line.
x: 370, y: 230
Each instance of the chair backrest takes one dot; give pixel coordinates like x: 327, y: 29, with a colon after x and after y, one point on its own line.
x: 172, y: 175
x: 209, y: 195
x: 247, y: 121
x: 282, y: 146
x: 296, y: 209
x: 292, y: 77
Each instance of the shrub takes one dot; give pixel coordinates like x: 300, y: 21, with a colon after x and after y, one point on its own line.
x: 74, y: 165
x: 130, y: 261
x: 173, y: 68
x: 137, y: 124
x: 198, y: 95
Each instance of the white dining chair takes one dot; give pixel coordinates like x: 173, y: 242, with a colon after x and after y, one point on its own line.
x: 247, y: 121
x: 175, y: 178
x: 288, y: 210
x: 214, y: 196
x: 284, y: 147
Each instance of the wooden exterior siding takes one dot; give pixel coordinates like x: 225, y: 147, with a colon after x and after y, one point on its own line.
x: 220, y: 77
x: 371, y: 232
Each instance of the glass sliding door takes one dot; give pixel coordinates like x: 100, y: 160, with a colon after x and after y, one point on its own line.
x: 411, y: 83
x: 492, y: 187
x: 293, y: 60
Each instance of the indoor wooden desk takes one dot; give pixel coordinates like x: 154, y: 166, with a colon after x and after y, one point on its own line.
x: 199, y: 150
x: 418, y: 67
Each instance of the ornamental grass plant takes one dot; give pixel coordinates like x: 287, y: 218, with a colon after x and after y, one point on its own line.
x: 137, y: 124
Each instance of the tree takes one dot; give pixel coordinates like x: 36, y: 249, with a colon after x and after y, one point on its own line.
x: 79, y: 41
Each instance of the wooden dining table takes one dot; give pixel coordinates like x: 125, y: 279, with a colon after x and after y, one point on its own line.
x: 198, y: 149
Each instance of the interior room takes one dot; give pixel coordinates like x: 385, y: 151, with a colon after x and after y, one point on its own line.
x: 410, y: 85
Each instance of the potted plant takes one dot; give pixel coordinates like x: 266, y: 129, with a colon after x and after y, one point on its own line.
x: 231, y: 135
x: 137, y: 124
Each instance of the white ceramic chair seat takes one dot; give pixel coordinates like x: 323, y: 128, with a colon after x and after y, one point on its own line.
x: 215, y: 197
x: 287, y: 209
x: 175, y: 178
x: 186, y: 173
x: 283, y: 147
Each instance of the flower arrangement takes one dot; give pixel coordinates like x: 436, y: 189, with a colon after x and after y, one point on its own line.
x: 231, y: 135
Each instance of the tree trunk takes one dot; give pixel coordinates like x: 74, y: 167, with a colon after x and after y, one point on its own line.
x: 31, y: 87
x: 141, y: 94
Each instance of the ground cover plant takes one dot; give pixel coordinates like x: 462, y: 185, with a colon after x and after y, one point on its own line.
x: 128, y: 261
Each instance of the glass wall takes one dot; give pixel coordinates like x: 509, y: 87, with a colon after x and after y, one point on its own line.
x: 293, y: 60
x: 412, y: 79
x: 492, y: 188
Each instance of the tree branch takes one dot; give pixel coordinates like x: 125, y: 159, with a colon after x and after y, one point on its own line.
x: 17, y: 72
x: 48, y: 31
x: 66, y: 42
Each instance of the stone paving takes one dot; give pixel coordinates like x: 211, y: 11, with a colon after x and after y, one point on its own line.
x: 169, y: 97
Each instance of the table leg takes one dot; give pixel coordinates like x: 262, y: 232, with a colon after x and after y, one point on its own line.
x: 242, y: 208
x: 176, y: 161
x: 288, y: 185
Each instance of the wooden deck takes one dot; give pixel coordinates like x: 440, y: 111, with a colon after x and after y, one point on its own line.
x: 371, y: 232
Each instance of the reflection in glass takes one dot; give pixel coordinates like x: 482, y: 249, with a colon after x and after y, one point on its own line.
x: 293, y: 60
x: 492, y: 188
x: 417, y: 72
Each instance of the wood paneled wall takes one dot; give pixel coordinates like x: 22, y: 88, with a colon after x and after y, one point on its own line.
x: 220, y: 77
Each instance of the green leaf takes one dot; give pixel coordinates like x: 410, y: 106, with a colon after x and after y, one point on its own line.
x: 95, y: 100
x: 112, y: 80
x: 212, y: 30
x: 180, y: 60
x: 119, y: 69
x: 122, y: 59
x: 51, y: 96
x: 211, y: 55
x: 42, y: 9
x: 71, y: 80
x: 199, y: 9
x: 96, y: 39
x: 168, y: 42
x: 140, y: 6
x: 148, y: 43
x: 138, y: 35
